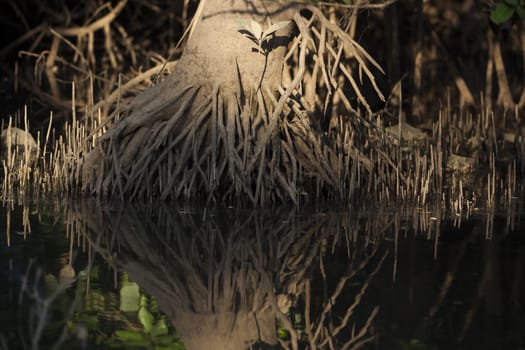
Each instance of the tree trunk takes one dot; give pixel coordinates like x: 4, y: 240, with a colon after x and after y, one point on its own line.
x: 217, y: 58
x: 221, y: 74
x: 223, y: 125
x: 219, y: 54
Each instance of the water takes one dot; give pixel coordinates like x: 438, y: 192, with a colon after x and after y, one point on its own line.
x: 121, y: 275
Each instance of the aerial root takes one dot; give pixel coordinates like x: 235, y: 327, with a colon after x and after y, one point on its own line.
x: 210, y: 146
x: 176, y: 141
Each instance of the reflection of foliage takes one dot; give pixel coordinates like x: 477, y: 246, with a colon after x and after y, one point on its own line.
x: 135, y: 316
x: 46, y: 309
x: 506, y: 9
x: 213, y: 273
x: 298, y: 325
x: 153, y: 331
x: 52, y: 307
x: 414, y: 344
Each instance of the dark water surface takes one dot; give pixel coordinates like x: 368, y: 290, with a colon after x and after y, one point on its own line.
x: 121, y: 275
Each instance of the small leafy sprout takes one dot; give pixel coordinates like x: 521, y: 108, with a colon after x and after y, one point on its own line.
x: 504, y: 11
x: 255, y: 33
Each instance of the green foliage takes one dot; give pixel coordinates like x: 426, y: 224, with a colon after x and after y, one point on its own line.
x: 140, y: 325
x: 506, y: 9
x: 414, y: 344
x: 160, y: 328
x: 255, y: 33
x: 146, y: 319
x: 140, y: 340
x: 129, y: 297
x: 298, y: 325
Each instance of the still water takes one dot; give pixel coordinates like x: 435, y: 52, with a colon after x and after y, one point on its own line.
x: 127, y: 276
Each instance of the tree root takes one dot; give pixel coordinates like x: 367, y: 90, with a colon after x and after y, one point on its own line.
x: 178, y: 140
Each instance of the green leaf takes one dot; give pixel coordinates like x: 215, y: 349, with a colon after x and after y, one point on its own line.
x: 413, y: 344
x: 143, y: 301
x: 511, y: 3
x: 176, y: 346
x: 146, y: 319
x: 90, y: 321
x: 501, y: 13
x: 94, y: 273
x: 160, y: 328
x: 283, y: 334
x: 256, y: 29
x: 275, y: 27
x: 129, y: 297
x: 129, y: 335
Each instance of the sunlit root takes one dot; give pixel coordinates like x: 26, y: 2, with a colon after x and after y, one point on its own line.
x: 189, y: 138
